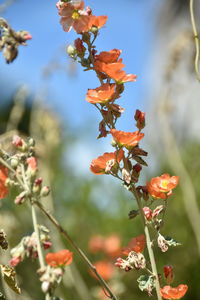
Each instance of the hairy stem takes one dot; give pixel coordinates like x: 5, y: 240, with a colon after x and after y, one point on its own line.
x: 35, y: 226
x: 149, y: 244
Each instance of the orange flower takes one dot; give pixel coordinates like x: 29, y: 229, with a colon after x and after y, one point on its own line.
x: 126, y: 139
x: 108, y: 63
x: 101, y: 94
x: 108, y: 56
x: 105, y: 269
x: 3, y: 178
x: 136, y: 244
x: 97, y: 21
x: 168, y: 292
x: 161, y: 187
x: 103, y: 164
x: 59, y: 259
x: 74, y: 15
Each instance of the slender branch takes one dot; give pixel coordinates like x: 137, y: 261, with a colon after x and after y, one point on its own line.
x: 35, y: 226
x: 196, y: 39
x: 149, y: 244
x: 73, y: 244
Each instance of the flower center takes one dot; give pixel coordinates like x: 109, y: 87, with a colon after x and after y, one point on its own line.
x: 75, y: 15
x: 164, y: 184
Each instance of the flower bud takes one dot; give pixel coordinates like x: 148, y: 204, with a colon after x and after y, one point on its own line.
x: 71, y: 50
x: 140, y: 118
x: 168, y: 273
x: 148, y: 213
x: 14, y: 162
x: 78, y: 43
x: 94, y: 29
x: 17, y: 141
x: 45, y: 191
x: 113, y: 143
x: 20, y: 198
x: 15, y: 261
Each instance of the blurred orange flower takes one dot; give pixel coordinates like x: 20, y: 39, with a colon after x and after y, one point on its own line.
x: 168, y: 292
x: 101, y: 94
x: 96, y: 243
x: 58, y: 259
x: 112, y: 245
x: 126, y: 139
x: 103, y: 164
x: 3, y: 178
x: 161, y: 187
x: 105, y: 269
x: 74, y: 15
x: 136, y: 244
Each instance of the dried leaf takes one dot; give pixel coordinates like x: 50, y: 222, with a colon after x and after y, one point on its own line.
x: 172, y: 242
x: 140, y: 160
x: 8, y: 274
x: 3, y: 241
x: 146, y: 283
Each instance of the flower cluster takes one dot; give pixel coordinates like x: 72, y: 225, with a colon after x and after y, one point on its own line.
x: 75, y: 15
x: 28, y: 246
x: 10, y: 40
x: 126, y: 161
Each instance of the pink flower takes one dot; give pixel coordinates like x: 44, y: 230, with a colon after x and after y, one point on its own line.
x: 32, y: 162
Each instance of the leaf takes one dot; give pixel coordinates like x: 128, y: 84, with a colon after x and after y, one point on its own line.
x: 8, y: 274
x: 133, y: 213
x: 140, y: 160
x: 172, y: 242
x: 146, y: 283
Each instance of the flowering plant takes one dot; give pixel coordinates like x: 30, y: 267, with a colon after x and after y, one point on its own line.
x: 19, y: 170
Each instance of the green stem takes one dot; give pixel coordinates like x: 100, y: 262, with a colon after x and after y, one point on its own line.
x: 149, y: 244
x: 196, y: 39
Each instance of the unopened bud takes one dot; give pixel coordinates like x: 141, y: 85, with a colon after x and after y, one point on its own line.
x: 94, y: 29
x: 14, y: 162
x: 169, y: 275
x: 148, y: 213
x: 71, y: 50
x: 45, y: 191
x: 17, y: 141
x: 113, y: 143
x: 20, y: 198
x: 140, y: 118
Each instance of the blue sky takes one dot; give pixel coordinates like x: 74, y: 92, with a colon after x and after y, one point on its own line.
x: 130, y: 27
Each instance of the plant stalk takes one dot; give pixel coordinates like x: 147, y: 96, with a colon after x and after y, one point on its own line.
x: 149, y: 243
